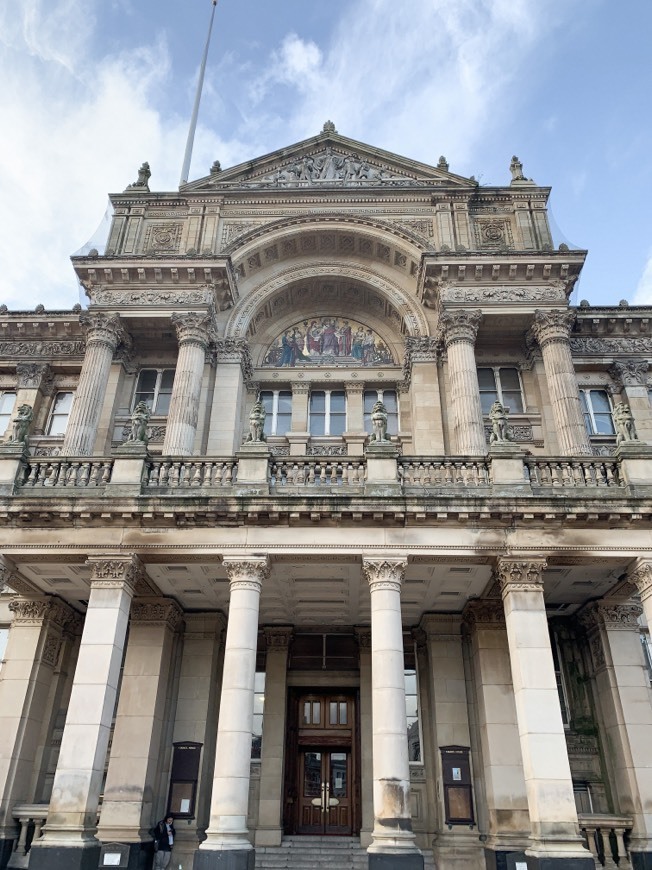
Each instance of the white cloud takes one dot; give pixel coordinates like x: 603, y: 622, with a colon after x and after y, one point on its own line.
x: 643, y: 295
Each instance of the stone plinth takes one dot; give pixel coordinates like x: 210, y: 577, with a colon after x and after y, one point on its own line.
x: 12, y: 463
x: 507, y: 466
x: 253, y: 467
x: 382, y: 469
x: 129, y: 469
x: 635, y: 462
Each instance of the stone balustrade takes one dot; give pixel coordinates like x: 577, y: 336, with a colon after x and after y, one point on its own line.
x: 573, y: 473
x: 70, y: 473
x: 605, y: 837
x: 316, y: 473
x: 30, y: 819
x: 444, y: 473
x: 188, y: 474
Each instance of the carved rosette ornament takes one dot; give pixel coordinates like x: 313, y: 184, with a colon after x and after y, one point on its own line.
x: 641, y: 577
x: 104, y: 329
x: 460, y: 326
x: 552, y: 326
x: 116, y: 573
x: 193, y: 328
x: 246, y: 573
x: 157, y: 611
x: 520, y: 576
x: 235, y: 350
x: 484, y: 613
x: 384, y: 573
x: 629, y: 373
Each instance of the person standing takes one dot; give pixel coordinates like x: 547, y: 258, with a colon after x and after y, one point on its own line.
x: 164, y: 834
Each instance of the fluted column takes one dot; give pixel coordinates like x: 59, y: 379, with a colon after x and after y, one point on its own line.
x: 551, y: 330
x: 392, y: 833
x: 460, y: 331
x: 103, y: 335
x: 555, y: 839
x: 69, y: 841
x: 227, y: 831
x: 194, y: 334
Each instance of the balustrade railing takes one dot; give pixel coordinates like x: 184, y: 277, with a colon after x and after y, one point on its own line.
x: 444, y: 473
x: 316, y: 473
x: 605, y: 838
x: 187, y: 474
x: 574, y: 473
x: 30, y: 819
x: 70, y: 473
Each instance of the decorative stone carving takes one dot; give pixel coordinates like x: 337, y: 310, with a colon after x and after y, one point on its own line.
x: 624, y: 422
x: 520, y: 576
x: 103, y: 329
x: 52, y: 650
x: 554, y: 292
x: 379, y: 424
x: 157, y: 611
x: 21, y: 424
x: 161, y: 297
x: 610, y: 615
x: 163, y: 238
x: 384, y: 573
x: 41, y: 349
x: 257, y: 424
x: 34, y: 611
x: 142, y: 182
x: 515, y: 433
x: 247, y: 572
x: 641, y: 576
x: 629, y: 373
x: 363, y: 636
x: 33, y: 376
x: 499, y: 430
x: 235, y: 350
x: 607, y: 346
x: 328, y: 341
x: 326, y: 450
x: 278, y: 638
x: 460, y: 326
x: 193, y: 328
x: 493, y: 234
x: 139, y: 421
x: 116, y: 572
x: 551, y: 326
x: 422, y: 348
x: 489, y: 613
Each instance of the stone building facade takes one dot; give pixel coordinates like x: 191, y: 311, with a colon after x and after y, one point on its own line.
x: 329, y: 517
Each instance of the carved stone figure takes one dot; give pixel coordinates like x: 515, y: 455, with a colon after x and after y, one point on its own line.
x: 625, y: 430
x: 257, y: 424
x: 21, y: 424
x: 379, y: 424
x: 139, y: 421
x: 516, y: 168
x: 499, y: 431
x: 142, y: 181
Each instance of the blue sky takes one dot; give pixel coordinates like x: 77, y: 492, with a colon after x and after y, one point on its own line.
x: 91, y: 88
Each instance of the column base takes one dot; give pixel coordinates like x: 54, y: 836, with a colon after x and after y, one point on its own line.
x: 389, y: 861
x: 64, y: 857
x: 225, y: 859
x: 543, y: 863
x: 641, y: 860
x: 503, y: 859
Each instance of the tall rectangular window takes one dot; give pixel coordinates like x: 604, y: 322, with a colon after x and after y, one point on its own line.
x: 278, y: 411
x: 389, y: 400
x: 154, y: 388
x: 59, y: 414
x: 257, y: 726
x: 596, y: 408
x: 412, y: 699
x: 501, y: 385
x: 327, y: 412
x: 560, y: 680
x: 4, y: 637
x: 7, y: 402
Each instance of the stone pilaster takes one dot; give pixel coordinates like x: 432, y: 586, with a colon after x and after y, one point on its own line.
x: 227, y: 838
x: 630, y: 376
x: 355, y: 436
x: 127, y: 808
x: 420, y: 369
x: 555, y: 840
x: 103, y: 335
x: 38, y: 632
x: 69, y: 842
x: 270, y: 807
x: 234, y: 370
x: 552, y: 329
x: 194, y: 335
x: 298, y: 435
x: 33, y: 381
x: 623, y: 699
x: 502, y: 764
x: 460, y: 329
x: 392, y: 834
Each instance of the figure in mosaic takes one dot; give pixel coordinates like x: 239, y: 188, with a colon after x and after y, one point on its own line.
x: 328, y: 341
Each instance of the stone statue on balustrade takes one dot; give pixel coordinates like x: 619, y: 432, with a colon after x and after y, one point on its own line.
x: 379, y: 424
x: 257, y: 424
x: 625, y: 429
x: 22, y: 422
x: 139, y: 421
x: 500, y: 433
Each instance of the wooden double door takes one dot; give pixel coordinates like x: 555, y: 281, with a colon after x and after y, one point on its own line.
x: 322, y: 780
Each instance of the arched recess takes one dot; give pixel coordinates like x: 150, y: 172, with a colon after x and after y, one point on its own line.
x: 411, y: 318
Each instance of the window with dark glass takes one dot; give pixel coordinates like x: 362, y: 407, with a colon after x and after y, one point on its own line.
x: 501, y: 385
x: 154, y: 388
x: 59, y: 414
x: 560, y: 680
x: 596, y: 408
x: 389, y: 400
x: 278, y: 411
x: 411, y: 699
x: 327, y: 412
x: 7, y: 402
x: 257, y: 725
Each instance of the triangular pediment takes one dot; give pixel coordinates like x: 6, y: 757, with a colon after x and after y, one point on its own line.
x: 331, y: 161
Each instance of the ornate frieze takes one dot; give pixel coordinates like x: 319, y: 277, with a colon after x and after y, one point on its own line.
x: 520, y: 575
x: 384, y: 573
x: 422, y: 348
x: 247, y: 573
x: 16, y: 582
x: 201, y: 296
x: 587, y: 346
x: 629, y: 373
x: 42, y: 349
x: 157, y: 611
x: 553, y: 325
x: 554, y: 292
x: 460, y: 326
x: 327, y: 450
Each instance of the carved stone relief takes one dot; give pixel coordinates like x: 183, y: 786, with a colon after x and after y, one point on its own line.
x: 552, y: 293
x: 163, y: 237
x: 493, y: 233
x: 42, y: 349
x: 587, y: 345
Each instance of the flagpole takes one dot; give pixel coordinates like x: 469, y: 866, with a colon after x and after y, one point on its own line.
x: 185, y: 169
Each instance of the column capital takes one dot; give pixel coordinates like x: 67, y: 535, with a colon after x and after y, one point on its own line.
x: 193, y: 327
x: 363, y: 636
x: 278, y: 637
x: 485, y: 613
x: 349, y: 386
x: 549, y: 326
x: 115, y: 572
x: 629, y: 372
x: 460, y: 326
x: 10, y: 576
x: 235, y: 350
x: 101, y: 328
x: 520, y: 575
x: 156, y: 611
x: 246, y: 572
x: 641, y: 576
x: 387, y: 573
x: 422, y: 348
x: 34, y: 376
x: 301, y: 388
x: 610, y: 615
x: 35, y: 611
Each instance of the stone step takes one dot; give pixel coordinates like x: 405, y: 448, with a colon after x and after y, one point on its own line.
x: 319, y: 853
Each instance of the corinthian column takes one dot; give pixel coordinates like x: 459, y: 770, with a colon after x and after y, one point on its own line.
x: 104, y: 333
x: 551, y: 330
x: 193, y: 333
x: 227, y: 831
x: 392, y: 833
x: 460, y: 331
x: 555, y: 839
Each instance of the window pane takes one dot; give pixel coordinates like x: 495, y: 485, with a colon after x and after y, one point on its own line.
x: 487, y: 400
x: 267, y: 398
x: 285, y: 402
x: 600, y: 402
x: 513, y: 401
x: 60, y: 411
x: 312, y: 774
x: 486, y: 379
x: 338, y: 424
x: 316, y: 712
x: 604, y: 424
x: 338, y: 403
x: 509, y: 380
x: 410, y: 682
x: 306, y: 713
x: 167, y: 380
x: 343, y: 713
x: 62, y: 403
x: 389, y: 400
x: 332, y: 713
x: 370, y: 399
x: 147, y: 381
x: 7, y: 401
x: 163, y: 403
x: 318, y: 403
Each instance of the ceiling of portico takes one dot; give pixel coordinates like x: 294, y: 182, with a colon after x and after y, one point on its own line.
x: 324, y: 589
